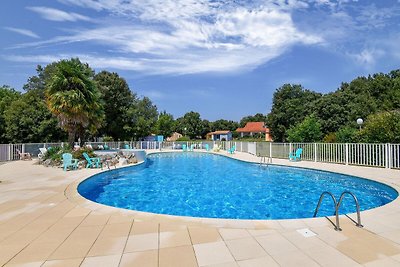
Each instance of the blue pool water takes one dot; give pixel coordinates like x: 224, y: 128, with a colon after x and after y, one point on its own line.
x: 206, y: 185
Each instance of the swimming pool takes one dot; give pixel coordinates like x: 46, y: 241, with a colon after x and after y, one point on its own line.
x: 207, y: 185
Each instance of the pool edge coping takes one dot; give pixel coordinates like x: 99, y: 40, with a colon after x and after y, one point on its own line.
x: 71, y: 193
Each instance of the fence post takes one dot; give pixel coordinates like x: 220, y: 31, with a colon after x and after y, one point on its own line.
x: 387, y: 156
x: 390, y: 155
x: 9, y: 152
x: 290, y: 148
x: 23, y: 148
x: 315, y: 152
x: 347, y: 154
x: 270, y: 150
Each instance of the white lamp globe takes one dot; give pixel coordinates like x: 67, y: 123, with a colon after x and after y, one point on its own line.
x: 360, y: 121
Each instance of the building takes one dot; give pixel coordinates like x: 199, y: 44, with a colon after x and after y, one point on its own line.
x: 220, y: 136
x: 175, y: 136
x: 253, y: 128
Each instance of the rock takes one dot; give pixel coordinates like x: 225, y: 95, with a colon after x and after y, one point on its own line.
x: 48, y: 163
x: 122, y: 162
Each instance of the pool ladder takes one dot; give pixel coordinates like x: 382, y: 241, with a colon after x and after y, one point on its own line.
x: 264, y: 160
x: 337, y: 206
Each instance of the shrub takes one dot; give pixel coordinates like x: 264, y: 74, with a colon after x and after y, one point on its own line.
x: 108, y: 139
x: 183, y: 138
x: 55, y: 153
x: 382, y: 127
x: 346, y: 134
x: 330, y: 138
x: 309, y: 130
x: 78, y: 154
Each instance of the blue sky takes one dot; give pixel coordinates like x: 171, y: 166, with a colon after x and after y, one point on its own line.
x: 223, y: 59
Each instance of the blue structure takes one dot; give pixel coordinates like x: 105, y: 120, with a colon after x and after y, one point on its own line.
x: 220, y: 136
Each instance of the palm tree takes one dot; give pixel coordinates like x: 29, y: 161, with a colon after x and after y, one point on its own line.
x: 73, y: 98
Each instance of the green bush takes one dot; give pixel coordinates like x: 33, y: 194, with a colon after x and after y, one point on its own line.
x: 55, y: 153
x: 381, y: 127
x: 183, y: 138
x: 108, y: 139
x: 330, y: 138
x: 309, y: 130
x: 78, y: 154
x: 347, y: 134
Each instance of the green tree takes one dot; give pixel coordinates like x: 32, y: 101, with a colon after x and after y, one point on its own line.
x: 72, y: 96
x: 383, y: 127
x: 291, y: 104
x: 224, y: 125
x: 309, y: 130
x: 142, y: 117
x: 190, y: 124
x: 207, y: 127
x: 117, y: 99
x: 346, y: 134
x: 165, y: 124
x: 38, y: 82
x: 7, y: 96
x: 28, y: 120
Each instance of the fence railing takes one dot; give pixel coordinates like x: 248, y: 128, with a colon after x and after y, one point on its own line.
x: 375, y: 155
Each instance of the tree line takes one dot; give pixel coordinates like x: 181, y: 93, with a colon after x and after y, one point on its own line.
x: 302, y: 115
x: 67, y: 100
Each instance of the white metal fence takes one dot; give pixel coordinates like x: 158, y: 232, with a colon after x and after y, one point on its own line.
x: 375, y: 155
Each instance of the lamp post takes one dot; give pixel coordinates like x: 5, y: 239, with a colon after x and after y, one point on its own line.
x: 360, y: 122
x: 184, y: 131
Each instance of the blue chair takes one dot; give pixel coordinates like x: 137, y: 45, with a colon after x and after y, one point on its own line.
x: 296, y: 156
x: 69, y: 162
x: 92, y: 162
x: 126, y: 146
x: 192, y: 146
x: 184, y: 147
x: 106, y: 147
x: 207, y: 147
x: 232, y: 150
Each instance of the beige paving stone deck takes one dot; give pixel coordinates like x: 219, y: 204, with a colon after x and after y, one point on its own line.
x: 45, y: 222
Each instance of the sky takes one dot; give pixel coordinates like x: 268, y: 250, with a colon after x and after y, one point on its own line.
x: 223, y: 59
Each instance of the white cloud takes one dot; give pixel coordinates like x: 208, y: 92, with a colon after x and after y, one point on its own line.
x: 367, y: 57
x: 187, y: 36
x: 57, y: 15
x: 25, y: 32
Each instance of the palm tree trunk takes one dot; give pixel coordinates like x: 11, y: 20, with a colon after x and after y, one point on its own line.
x: 71, y: 138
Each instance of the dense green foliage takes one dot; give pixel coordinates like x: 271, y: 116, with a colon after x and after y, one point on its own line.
x: 28, y: 119
x: 117, y: 100
x: 309, y: 130
x: 337, y: 112
x: 190, y: 124
x: 165, y: 124
x: 142, y: 116
x: 74, y: 99
x: 381, y: 127
x: 291, y: 104
x: 68, y: 97
x: 7, y: 96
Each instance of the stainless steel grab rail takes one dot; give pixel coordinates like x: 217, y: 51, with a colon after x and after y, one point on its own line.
x: 357, y: 206
x: 337, y: 226
x: 337, y: 206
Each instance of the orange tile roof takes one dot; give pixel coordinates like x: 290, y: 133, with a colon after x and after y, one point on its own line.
x: 219, y: 132
x: 253, y: 127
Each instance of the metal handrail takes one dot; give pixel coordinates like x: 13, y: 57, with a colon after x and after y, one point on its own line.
x: 357, y: 206
x: 337, y: 226
x: 264, y: 160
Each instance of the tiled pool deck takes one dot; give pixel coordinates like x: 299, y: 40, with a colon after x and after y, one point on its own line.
x: 45, y: 222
